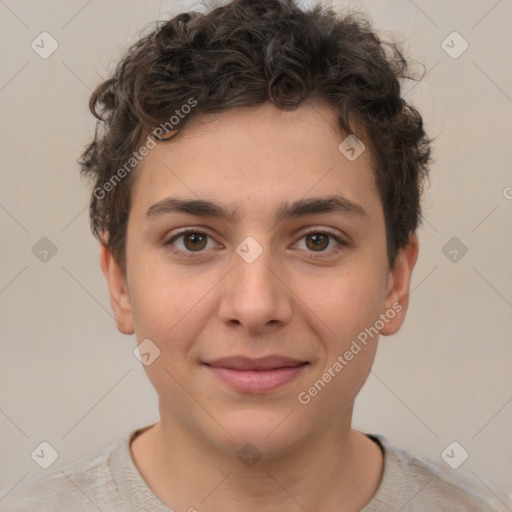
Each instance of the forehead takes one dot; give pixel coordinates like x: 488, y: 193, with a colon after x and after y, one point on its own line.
x: 245, y: 158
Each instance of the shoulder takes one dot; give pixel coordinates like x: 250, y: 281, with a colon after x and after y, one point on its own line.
x: 420, y: 483
x: 80, y: 486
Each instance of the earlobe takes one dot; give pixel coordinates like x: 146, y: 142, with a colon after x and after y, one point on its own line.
x: 397, y: 296
x: 118, y: 290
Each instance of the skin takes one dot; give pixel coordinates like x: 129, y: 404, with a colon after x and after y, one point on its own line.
x: 288, y: 301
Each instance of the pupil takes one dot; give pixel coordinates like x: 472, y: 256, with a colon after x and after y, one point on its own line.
x: 194, y: 239
x: 315, y: 240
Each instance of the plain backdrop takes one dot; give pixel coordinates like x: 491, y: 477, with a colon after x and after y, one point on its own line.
x: 69, y: 378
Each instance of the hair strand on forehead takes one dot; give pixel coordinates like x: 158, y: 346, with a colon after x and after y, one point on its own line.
x: 245, y: 53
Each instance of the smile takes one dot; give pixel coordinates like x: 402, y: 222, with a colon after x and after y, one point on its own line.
x: 257, y: 381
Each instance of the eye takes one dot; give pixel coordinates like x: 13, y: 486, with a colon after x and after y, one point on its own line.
x: 317, y: 239
x: 195, y: 241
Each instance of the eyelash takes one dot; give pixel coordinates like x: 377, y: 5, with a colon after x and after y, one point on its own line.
x: 192, y: 254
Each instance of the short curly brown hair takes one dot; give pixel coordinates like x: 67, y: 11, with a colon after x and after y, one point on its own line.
x: 245, y: 53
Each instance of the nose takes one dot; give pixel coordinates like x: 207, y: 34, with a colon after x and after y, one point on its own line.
x: 254, y: 294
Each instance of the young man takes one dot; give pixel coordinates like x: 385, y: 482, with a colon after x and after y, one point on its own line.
x: 257, y: 193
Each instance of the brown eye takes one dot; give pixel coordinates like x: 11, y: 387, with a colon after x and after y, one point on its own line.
x: 191, y: 241
x: 194, y: 241
x: 319, y: 241
x: 321, y: 244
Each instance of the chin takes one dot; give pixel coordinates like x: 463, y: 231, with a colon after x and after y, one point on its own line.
x: 265, y: 434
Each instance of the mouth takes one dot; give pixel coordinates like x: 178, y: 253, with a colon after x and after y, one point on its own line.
x: 273, y: 362
x: 256, y: 376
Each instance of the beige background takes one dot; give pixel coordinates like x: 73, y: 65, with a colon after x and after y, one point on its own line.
x: 69, y: 378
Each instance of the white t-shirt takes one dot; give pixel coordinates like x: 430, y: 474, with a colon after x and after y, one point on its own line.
x: 107, y: 480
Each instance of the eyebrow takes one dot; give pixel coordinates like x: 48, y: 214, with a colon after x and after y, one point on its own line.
x: 312, y: 206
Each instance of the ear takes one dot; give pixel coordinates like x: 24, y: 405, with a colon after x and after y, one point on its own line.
x: 399, y: 281
x: 119, y: 295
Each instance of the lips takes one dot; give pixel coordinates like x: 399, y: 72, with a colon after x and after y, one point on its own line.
x: 255, y: 376
x: 261, y: 364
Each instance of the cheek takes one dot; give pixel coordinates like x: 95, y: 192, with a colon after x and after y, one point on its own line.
x: 346, y: 301
x: 167, y: 311
x: 159, y: 296
x: 170, y: 307
x: 349, y: 306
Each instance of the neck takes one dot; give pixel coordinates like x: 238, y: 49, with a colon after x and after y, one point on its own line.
x: 337, y: 471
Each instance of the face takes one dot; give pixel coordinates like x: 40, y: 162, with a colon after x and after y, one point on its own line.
x: 303, y: 285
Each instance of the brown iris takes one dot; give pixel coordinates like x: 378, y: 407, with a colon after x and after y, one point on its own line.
x: 194, y: 238
x: 318, y: 237
x: 197, y: 241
